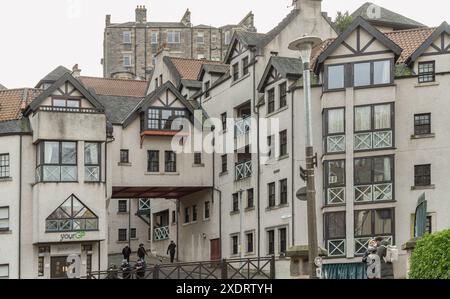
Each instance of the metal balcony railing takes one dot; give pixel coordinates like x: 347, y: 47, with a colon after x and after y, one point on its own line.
x: 377, y: 192
x: 161, y: 233
x: 373, y: 140
x: 242, y: 127
x: 335, y: 144
x: 335, y: 196
x: 336, y: 247
x: 361, y: 244
x: 243, y: 170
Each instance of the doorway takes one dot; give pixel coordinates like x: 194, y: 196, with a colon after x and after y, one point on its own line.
x: 215, y: 250
x: 58, y: 267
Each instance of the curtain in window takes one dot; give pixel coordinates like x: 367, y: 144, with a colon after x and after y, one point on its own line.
x: 336, y: 121
x: 4, y: 218
x: 363, y: 119
x: 382, y: 115
x: 382, y: 169
x: 362, y: 74
x: 51, y: 152
x: 363, y: 171
x: 345, y: 271
x: 335, y: 225
x: 383, y: 222
x: 69, y: 153
x: 363, y: 223
x: 336, y: 77
x: 382, y: 72
x: 91, y: 154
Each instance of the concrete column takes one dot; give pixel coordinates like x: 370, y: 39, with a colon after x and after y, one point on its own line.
x: 349, y: 193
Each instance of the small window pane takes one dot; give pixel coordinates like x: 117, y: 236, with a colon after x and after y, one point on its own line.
x: 51, y: 152
x: 361, y: 74
x: 382, y: 170
x: 363, y: 119
x: 336, y: 77
x: 336, y: 173
x: 382, y: 117
x: 383, y: 222
x: 336, y: 121
x: 91, y: 152
x: 335, y: 225
x: 73, y: 104
x: 363, y: 223
x: 382, y: 72
x: 363, y: 171
x: 59, y: 103
x: 69, y: 153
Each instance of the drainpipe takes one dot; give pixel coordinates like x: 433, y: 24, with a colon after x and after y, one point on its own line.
x: 20, y: 209
x: 293, y: 167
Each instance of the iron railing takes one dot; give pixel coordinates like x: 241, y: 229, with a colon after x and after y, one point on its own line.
x: 336, y: 247
x: 335, y: 144
x: 246, y: 269
x: 377, y: 192
x: 161, y: 233
x: 373, y: 140
x: 242, y: 126
x: 336, y: 196
x: 243, y: 170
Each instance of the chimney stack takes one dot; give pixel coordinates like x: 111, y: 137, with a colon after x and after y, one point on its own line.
x: 186, y: 19
x: 141, y: 14
x: 76, y: 72
x: 307, y: 4
x: 108, y: 20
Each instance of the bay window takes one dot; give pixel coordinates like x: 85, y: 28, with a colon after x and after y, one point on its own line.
x: 370, y: 224
x: 335, y: 130
x: 335, y: 233
x: 374, y: 179
x: 57, y: 161
x: 162, y: 119
x: 335, y: 77
x: 335, y: 182
x: 92, y: 161
x: 374, y: 127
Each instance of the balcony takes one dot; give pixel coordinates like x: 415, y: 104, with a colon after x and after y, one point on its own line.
x: 373, y: 140
x: 335, y: 144
x: 243, y: 170
x: 361, y: 244
x: 161, y: 233
x: 336, y: 248
x: 374, y: 193
x: 336, y: 196
x: 49, y: 173
x: 242, y: 127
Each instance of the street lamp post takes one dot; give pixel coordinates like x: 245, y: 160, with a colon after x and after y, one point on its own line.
x: 305, y: 45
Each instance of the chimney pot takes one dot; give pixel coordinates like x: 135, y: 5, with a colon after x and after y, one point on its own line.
x: 76, y: 72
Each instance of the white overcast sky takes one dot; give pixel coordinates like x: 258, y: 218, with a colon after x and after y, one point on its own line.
x: 38, y: 35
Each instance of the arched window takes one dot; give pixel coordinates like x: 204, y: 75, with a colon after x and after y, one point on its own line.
x: 72, y: 216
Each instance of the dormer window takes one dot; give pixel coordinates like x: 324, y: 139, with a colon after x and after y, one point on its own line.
x: 69, y: 103
x: 162, y: 119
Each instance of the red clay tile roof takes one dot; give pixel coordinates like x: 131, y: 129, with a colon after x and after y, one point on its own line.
x: 12, y: 101
x: 116, y: 87
x: 189, y: 69
x: 315, y: 53
x: 409, y: 40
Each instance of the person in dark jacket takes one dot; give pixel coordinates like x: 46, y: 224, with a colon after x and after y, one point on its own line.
x: 387, y: 269
x: 172, y: 250
x: 126, y: 252
x: 142, y: 252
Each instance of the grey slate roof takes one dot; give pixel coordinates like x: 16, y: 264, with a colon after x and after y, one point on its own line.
x: 54, y: 75
x: 14, y: 127
x: 387, y: 17
x: 151, y: 25
x: 191, y: 84
x: 287, y: 67
x: 117, y: 108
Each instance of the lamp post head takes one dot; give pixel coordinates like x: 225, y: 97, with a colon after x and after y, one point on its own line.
x: 304, y: 45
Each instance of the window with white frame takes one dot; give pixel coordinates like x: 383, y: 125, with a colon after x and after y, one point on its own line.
x: 154, y: 38
x: 4, y: 166
x: 92, y: 162
x: 335, y: 130
x: 127, y: 37
x: 127, y: 60
x: 4, y: 218
x: 173, y: 37
x: 57, y: 161
x: 200, y: 37
x: 4, y: 271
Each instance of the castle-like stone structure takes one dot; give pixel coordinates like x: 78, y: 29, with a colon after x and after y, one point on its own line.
x: 130, y: 48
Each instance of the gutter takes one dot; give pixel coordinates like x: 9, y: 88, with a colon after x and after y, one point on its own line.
x: 20, y: 209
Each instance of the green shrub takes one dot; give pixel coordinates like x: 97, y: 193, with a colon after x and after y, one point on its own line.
x: 431, y: 257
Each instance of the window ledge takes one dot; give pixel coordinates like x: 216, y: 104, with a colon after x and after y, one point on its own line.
x: 122, y: 213
x: 250, y: 209
x: 223, y: 173
x: 430, y: 187
x: 122, y: 242
x: 7, y: 179
x: 283, y: 157
x: 5, y: 232
x: 423, y: 136
x: 426, y: 84
x: 239, y: 80
x: 124, y: 164
x: 373, y: 202
x: 277, y: 111
x: 198, y: 165
x: 162, y: 173
x: 207, y: 220
x: 234, y: 213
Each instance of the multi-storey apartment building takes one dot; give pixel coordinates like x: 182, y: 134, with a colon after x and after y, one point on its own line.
x: 130, y: 48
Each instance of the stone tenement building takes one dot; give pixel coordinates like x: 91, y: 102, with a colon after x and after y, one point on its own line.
x: 130, y: 48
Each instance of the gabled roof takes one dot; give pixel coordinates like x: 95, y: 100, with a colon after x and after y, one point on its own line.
x: 359, y: 22
x: 287, y: 67
x: 386, y: 17
x: 154, y: 96
x: 54, y: 75
x: 116, y: 87
x: 444, y: 27
x: 219, y: 69
x: 186, y: 68
x: 13, y: 101
x: 409, y: 40
x: 67, y: 77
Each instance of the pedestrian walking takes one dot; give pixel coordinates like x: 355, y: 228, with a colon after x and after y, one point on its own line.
x: 126, y: 252
x: 172, y: 250
x: 142, y: 253
x: 372, y: 261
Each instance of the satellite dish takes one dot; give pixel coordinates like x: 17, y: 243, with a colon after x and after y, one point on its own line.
x: 301, y: 194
